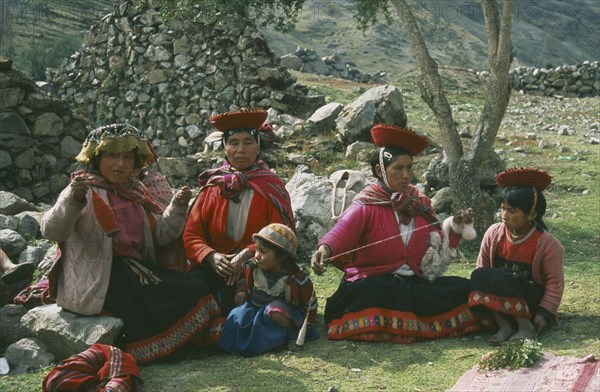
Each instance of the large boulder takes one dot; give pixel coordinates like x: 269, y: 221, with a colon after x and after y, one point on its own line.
x: 66, y: 333
x: 381, y: 104
x: 312, y: 204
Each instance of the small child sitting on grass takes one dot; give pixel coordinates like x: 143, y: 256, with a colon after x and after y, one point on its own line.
x: 272, y: 299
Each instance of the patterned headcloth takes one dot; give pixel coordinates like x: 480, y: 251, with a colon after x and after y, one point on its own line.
x: 281, y: 237
x: 116, y: 138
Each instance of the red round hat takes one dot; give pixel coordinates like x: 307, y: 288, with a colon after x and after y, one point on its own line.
x: 392, y: 136
x: 243, y: 119
x: 535, y: 178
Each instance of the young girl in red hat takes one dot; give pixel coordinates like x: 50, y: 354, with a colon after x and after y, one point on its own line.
x: 273, y: 299
x: 519, y: 280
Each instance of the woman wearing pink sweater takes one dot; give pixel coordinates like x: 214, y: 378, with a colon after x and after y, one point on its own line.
x: 387, y: 239
x: 519, y: 280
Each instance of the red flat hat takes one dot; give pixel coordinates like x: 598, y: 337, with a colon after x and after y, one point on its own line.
x: 391, y: 136
x: 535, y: 178
x: 243, y: 119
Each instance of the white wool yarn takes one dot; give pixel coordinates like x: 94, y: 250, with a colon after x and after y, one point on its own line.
x: 468, y: 232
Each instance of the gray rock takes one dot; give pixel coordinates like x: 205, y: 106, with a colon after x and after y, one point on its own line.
x: 312, y: 204
x: 193, y: 131
x: 11, y: 97
x: 323, y: 120
x: 177, y: 168
x: 28, y: 355
x: 12, y: 242
x: 11, y: 330
x: 355, y: 148
x: 29, y: 225
x: 66, y: 333
x: 296, y: 159
x: 58, y: 182
x: 5, y: 159
x: 316, y: 66
x: 26, y: 159
x: 47, y: 260
x: 271, y: 75
x: 34, y: 254
x: 156, y: 54
x: 291, y: 61
x: 48, y: 124
x: 9, y: 222
x: 442, y: 201
x: 14, y: 132
x: 381, y: 104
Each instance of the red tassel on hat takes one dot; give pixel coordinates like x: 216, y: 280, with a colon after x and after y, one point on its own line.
x: 104, y: 215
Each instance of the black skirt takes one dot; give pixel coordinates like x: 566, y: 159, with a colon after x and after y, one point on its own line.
x: 399, y: 309
x: 503, y: 291
x: 158, y: 318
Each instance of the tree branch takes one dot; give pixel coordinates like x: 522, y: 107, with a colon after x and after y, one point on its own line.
x: 492, y: 23
x: 431, y: 87
x: 498, y: 87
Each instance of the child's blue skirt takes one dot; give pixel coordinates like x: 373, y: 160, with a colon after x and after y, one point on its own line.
x: 249, y: 330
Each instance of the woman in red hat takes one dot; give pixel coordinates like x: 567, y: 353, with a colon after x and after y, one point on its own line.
x: 520, y: 279
x: 235, y: 201
x: 389, y: 232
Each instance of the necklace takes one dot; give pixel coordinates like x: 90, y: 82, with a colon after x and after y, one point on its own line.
x: 514, y: 236
x: 518, y: 237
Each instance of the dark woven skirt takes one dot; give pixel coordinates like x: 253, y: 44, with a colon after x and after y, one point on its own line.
x: 400, y: 309
x: 158, y: 318
x: 223, y: 293
x: 503, y: 291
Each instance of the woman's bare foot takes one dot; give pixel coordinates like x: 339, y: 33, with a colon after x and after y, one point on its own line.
x: 526, y: 330
x: 500, y: 337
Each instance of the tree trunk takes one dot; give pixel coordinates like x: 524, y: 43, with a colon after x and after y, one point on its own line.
x: 465, y: 166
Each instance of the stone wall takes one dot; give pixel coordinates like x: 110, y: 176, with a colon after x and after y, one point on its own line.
x: 167, y: 79
x: 571, y: 81
x: 39, y: 137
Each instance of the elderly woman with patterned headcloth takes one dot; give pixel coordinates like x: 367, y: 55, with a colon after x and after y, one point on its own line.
x: 235, y: 201
x: 107, y: 225
x: 386, y: 243
x: 519, y: 279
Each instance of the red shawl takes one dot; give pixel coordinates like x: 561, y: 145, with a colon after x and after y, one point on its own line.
x: 406, y: 204
x: 99, y: 368
x: 257, y: 177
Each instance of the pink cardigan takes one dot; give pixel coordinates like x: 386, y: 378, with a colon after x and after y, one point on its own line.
x: 547, y: 266
x: 361, y: 225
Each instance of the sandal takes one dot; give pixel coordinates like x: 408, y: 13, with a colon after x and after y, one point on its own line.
x: 18, y: 272
x: 500, y: 337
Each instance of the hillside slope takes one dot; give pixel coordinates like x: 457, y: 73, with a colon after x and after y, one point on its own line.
x: 549, y: 32
x: 39, y: 33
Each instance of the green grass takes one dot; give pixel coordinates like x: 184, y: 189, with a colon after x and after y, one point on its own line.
x: 428, y: 366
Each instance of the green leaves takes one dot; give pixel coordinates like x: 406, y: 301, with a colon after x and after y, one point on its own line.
x: 512, y: 355
x: 282, y: 15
